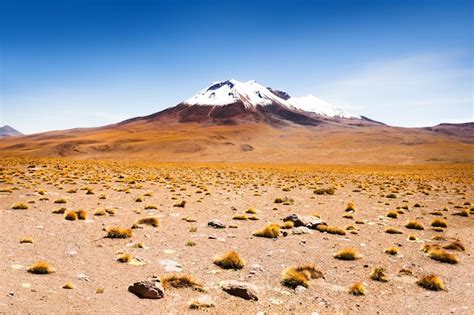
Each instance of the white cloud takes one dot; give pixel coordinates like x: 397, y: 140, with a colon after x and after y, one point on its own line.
x: 408, y: 91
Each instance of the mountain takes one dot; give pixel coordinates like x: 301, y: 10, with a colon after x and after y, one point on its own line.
x: 7, y: 131
x: 233, y: 102
x: 232, y: 121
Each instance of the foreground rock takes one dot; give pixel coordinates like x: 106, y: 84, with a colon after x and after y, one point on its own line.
x: 217, y: 224
x: 148, y: 289
x: 308, y: 221
x: 240, y: 289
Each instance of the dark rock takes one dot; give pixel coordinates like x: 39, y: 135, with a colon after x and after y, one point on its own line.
x: 310, y: 222
x: 240, y: 289
x: 148, y: 289
x: 217, y: 224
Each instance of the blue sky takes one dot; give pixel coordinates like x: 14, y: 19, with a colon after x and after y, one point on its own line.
x: 81, y: 63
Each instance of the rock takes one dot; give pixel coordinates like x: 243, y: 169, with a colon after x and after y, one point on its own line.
x: 240, y: 289
x: 254, y: 269
x: 148, y: 289
x: 300, y: 230
x: 300, y: 289
x: 217, y: 224
x: 310, y: 222
x: 170, y: 265
x: 83, y: 277
x: 203, y: 301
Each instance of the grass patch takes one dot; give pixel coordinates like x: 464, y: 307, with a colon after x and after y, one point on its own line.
x: 431, y: 282
x: 20, y: 206
x: 153, y: 221
x: 391, y: 251
x: 347, y: 253
x: 231, y: 260
x: 118, y: 232
x: 439, y: 223
x: 455, y: 245
x: 330, y: 229
x: 442, y: 256
x: 378, y: 274
x: 181, y: 281
x: 393, y: 231
x: 26, y: 240
x: 414, y: 225
x: 357, y: 289
x: 71, y: 216
x: 270, y: 231
x: 40, y: 268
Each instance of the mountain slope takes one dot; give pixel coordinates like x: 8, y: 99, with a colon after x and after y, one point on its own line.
x: 7, y: 131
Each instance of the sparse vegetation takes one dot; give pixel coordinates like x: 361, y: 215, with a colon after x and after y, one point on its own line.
x: 118, y: 232
x: 439, y: 223
x: 230, y: 260
x: 40, y: 268
x: 378, y: 274
x: 442, y: 256
x: 180, y: 281
x: 414, y: 225
x: 431, y: 282
x: 270, y: 231
x: 347, y: 253
x: 357, y: 289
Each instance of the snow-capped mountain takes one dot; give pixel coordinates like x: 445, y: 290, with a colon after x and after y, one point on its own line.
x: 252, y: 94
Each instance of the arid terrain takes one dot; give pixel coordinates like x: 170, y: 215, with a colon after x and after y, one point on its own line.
x: 403, y: 222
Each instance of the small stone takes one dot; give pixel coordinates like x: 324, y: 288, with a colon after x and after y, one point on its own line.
x: 301, y: 230
x: 203, y: 301
x: 148, y: 289
x: 310, y: 222
x: 83, y: 277
x: 240, y: 289
x: 300, y: 289
x: 216, y: 224
x: 170, y: 265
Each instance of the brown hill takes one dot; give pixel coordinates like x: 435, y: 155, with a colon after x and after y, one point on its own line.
x: 160, y: 138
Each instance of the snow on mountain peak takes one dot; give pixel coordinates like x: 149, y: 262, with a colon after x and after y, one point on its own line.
x: 252, y: 94
x: 227, y: 92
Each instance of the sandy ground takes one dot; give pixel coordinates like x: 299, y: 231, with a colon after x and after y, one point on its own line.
x: 76, y: 248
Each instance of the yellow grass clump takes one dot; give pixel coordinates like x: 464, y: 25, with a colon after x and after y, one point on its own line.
x: 442, y: 256
x: 118, y: 232
x: 347, y: 254
x: 391, y: 250
x: 414, y: 225
x: 40, y: 268
x: 180, y: 281
x: 431, y: 282
x: 230, y: 260
x: 300, y: 275
x: 61, y: 200
x: 357, y: 289
x: 330, y: 229
x: 68, y: 286
x: 26, y: 240
x: 270, y: 231
x: 82, y: 214
x: 124, y: 257
x: 153, y: 221
x: 20, y: 206
x: 392, y: 214
x: 393, y: 231
x: 350, y: 207
x: 378, y: 274
x: 439, y: 223
x: 71, y: 216
x: 455, y: 245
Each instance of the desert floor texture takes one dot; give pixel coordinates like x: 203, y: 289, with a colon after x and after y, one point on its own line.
x: 359, y: 205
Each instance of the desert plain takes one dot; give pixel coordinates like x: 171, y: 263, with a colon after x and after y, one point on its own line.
x: 405, y: 232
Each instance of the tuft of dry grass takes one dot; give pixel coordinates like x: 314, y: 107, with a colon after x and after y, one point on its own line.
x: 26, y: 240
x: 251, y: 211
x: 190, y: 243
x: 180, y: 281
x: 350, y: 207
x: 442, y: 256
x: 82, y: 214
x: 391, y: 250
x: 151, y: 207
x: 40, y: 268
x: 357, y: 289
x: 71, y: 216
x: 414, y: 225
x: 292, y: 278
x: 180, y: 204
x: 439, y: 223
x: 230, y: 260
x: 99, y: 212
x: 241, y: 217
x: 270, y: 231
x: 68, y: 286
x: 124, y: 257
x: 118, y: 232
x: 347, y: 253
x: 330, y: 229
x: 59, y: 211
x: 378, y: 274
x: 431, y: 282
x: 153, y: 221
x: 392, y: 214
x: 61, y: 200
x: 393, y: 231
x: 310, y: 270
x: 200, y: 304
x: 287, y: 225
x: 455, y: 245
x: 20, y: 206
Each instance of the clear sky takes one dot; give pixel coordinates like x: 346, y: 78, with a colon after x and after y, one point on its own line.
x: 81, y: 63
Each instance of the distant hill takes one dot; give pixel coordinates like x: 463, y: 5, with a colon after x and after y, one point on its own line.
x: 7, y: 131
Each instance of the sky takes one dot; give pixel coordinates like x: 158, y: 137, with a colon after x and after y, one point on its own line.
x: 85, y: 63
